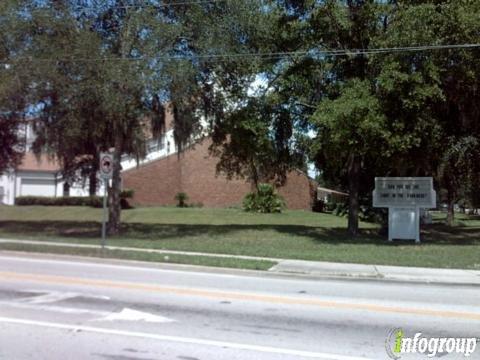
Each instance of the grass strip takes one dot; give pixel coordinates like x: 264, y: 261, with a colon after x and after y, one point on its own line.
x: 298, y: 235
x: 142, y: 256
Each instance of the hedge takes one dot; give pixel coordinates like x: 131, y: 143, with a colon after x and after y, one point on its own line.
x: 93, y: 201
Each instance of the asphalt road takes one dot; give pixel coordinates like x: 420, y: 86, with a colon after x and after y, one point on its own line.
x: 57, y: 308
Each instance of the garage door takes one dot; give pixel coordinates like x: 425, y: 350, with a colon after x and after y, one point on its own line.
x: 37, y: 187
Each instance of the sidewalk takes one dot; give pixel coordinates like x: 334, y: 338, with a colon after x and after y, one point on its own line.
x: 394, y: 273
x: 314, y: 268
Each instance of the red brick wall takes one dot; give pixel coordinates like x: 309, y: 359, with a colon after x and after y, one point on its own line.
x: 155, y: 183
x: 201, y: 183
x: 194, y: 172
x: 298, y: 191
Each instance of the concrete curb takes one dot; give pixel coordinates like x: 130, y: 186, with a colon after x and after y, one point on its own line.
x: 314, y: 269
x: 124, y: 248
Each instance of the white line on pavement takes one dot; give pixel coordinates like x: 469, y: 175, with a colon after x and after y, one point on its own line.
x: 50, y: 297
x: 185, y: 340
x: 60, y: 309
x: 134, y: 315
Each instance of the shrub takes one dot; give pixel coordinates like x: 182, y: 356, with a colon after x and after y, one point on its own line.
x: 264, y: 200
x: 124, y: 204
x: 127, y: 194
x: 181, y: 199
x: 330, y: 206
x: 374, y: 215
x: 318, y: 206
x: 94, y: 201
x: 341, y: 209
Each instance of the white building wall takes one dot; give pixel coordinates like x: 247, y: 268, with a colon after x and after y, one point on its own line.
x: 27, y: 183
x: 7, y: 184
x: 81, y: 188
x: 169, y: 147
x: 36, y: 183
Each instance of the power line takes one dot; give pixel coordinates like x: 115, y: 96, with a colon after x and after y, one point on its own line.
x: 268, y: 55
x: 178, y: 3
x: 413, y: 48
x: 131, y: 6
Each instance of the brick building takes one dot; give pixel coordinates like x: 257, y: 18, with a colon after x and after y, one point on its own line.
x: 194, y: 172
x: 155, y: 180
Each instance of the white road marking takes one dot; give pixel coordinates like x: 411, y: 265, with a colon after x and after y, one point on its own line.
x: 124, y: 315
x: 52, y: 308
x: 134, y: 315
x: 185, y: 340
x: 49, y: 296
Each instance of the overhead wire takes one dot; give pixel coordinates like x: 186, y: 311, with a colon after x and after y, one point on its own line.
x: 266, y: 55
x: 128, y: 6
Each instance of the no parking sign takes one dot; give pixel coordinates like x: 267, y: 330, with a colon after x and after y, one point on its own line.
x: 106, y: 173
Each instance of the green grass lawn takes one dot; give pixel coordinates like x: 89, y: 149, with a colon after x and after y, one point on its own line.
x: 293, y: 234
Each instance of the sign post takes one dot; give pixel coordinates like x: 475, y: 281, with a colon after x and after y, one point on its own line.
x: 404, y: 197
x: 106, y: 172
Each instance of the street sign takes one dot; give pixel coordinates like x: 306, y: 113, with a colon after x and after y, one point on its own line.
x: 106, y: 173
x: 404, y: 197
x: 106, y: 165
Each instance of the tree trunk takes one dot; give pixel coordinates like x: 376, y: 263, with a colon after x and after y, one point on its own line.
x: 450, y: 207
x: 92, y: 183
x: 66, y: 189
x: 114, y: 209
x: 353, y: 189
x: 254, y: 175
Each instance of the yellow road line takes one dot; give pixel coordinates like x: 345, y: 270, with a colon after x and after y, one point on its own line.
x: 63, y: 280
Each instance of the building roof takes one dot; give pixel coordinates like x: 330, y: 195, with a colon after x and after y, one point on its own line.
x: 31, y: 162
x: 330, y: 191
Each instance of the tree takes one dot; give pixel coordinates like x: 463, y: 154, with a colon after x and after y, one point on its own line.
x: 139, y: 57
x: 352, y: 131
x: 458, y: 171
x: 410, y: 101
x: 254, y: 142
x: 13, y: 87
x: 10, y: 153
x: 451, y: 148
x: 256, y: 128
x: 337, y: 95
x: 87, y: 104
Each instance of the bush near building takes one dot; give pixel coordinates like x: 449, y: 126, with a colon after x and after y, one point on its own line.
x: 264, y: 200
x: 181, y: 199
